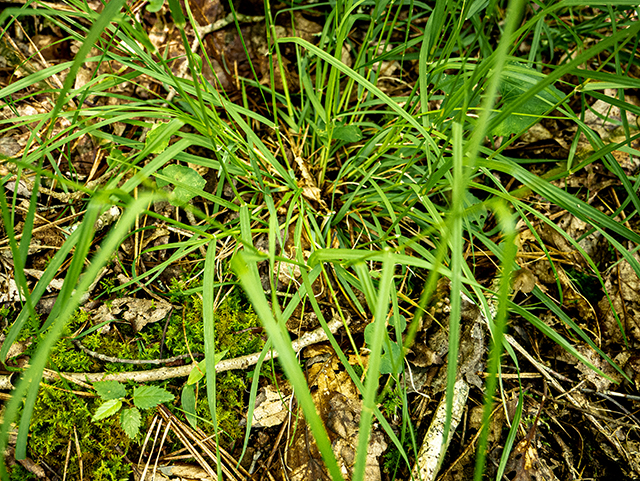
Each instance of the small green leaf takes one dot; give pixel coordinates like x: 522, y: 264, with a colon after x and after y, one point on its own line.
x: 155, y: 139
x: 130, y: 421
x: 116, y: 158
x: 108, y: 408
x: 516, y: 79
x: 176, y: 13
x: 476, y: 7
x: 188, y: 399
x: 154, y: 5
x: 181, y: 174
x: 146, y: 397
x: 390, y: 362
x: 479, y: 214
x: 402, y: 322
x: 109, y: 390
x: 199, y: 372
x: 348, y: 133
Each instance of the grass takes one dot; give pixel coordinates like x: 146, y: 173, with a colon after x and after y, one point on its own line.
x: 373, y: 186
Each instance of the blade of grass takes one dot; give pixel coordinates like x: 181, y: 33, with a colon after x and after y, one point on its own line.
x: 381, y: 308
x: 243, y: 264
x: 208, y: 319
x: 509, y: 252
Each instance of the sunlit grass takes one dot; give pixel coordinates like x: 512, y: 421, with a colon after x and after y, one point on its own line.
x: 367, y: 173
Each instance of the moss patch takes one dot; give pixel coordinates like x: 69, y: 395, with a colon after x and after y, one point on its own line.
x: 235, y: 332
x: 103, y: 444
x: 57, y: 412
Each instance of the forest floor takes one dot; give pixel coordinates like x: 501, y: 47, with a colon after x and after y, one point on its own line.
x: 142, y: 324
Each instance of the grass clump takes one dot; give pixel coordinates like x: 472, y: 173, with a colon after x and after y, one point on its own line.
x: 357, y: 176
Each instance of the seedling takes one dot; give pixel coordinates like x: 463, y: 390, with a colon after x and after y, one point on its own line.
x: 391, y: 360
x: 114, y: 395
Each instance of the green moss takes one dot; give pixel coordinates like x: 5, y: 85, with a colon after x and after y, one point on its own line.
x: 110, y: 470
x: 66, y: 357
x: 186, y: 324
x: 18, y: 473
x: 234, y: 332
x: 104, y: 443
x: 110, y: 344
x: 56, y: 413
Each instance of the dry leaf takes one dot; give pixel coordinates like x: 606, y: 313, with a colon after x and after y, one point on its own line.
x: 338, y: 403
x: 272, y: 408
x: 139, y: 312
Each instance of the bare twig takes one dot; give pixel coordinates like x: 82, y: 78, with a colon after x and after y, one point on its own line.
x: 434, y: 446
x: 105, y: 358
x: 163, y: 373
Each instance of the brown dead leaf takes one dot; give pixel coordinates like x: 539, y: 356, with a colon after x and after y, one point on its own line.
x: 338, y: 403
x: 18, y: 347
x: 185, y: 472
x: 139, y: 312
x: 310, y: 189
x: 527, y: 465
x: 601, y: 383
x: 496, y: 422
x: 9, y: 292
x: 523, y: 281
x: 272, y: 407
x: 574, y: 228
x: 571, y: 296
x: 27, y: 463
x: 603, y: 117
x: 623, y: 285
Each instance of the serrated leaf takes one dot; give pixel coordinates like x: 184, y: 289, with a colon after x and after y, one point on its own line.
x: 106, y: 409
x: 188, y: 400
x: 108, y: 390
x: 146, y: 397
x: 348, y: 133
x: 130, y: 420
x: 199, y: 371
x: 155, y: 138
x: 181, y: 174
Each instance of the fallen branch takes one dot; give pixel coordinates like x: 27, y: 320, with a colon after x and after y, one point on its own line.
x: 163, y: 373
x: 118, y: 360
x: 434, y: 446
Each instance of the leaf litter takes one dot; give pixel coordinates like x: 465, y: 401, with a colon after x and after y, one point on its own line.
x: 334, y: 393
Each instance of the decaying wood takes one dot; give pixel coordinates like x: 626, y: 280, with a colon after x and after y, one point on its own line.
x: 434, y: 445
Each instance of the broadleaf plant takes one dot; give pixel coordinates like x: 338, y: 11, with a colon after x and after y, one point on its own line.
x: 114, y: 395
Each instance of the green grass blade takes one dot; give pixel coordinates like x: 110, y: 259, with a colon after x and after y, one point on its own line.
x: 499, y: 324
x: 241, y: 263
x: 373, y: 371
x: 29, y: 382
x: 208, y: 319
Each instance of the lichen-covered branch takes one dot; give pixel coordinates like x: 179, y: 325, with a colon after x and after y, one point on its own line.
x: 163, y: 373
